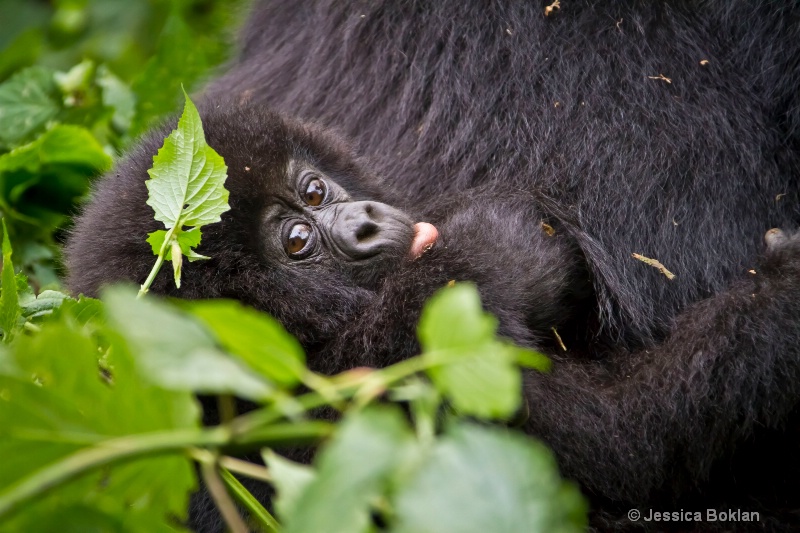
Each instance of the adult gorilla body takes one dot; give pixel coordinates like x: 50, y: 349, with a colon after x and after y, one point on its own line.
x: 671, y: 129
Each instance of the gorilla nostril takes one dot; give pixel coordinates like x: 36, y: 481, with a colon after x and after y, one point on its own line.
x: 366, y: 230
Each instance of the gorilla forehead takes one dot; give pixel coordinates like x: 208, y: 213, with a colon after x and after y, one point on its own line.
x: 260, y: 146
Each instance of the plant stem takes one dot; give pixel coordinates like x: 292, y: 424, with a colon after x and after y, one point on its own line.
x: 159, y: 261
x: 254, y: 508
x: 261, y: 417
x: 303, y: 432
x: 109, y: 451
x: 102, y: 454
x: 220, y: 495
x: 245, y: 468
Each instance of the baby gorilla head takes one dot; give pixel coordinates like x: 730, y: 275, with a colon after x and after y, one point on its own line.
x: 310, y: 222
x: 309, y: 237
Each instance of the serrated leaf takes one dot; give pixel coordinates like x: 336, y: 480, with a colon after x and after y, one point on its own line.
x: 186, y: 240
x: 43, y: 304
x: 502, y: 482
x: 256, y: 338
x: 27, y: 103
x: 353, y: 469
x: 181, y: 244
x: 186, y: 185
x: 55, y: 402
x: 174, y: 351
x: 9, y: 299
x: 466, y: 362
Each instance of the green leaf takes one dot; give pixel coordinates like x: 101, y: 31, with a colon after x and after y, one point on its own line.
x: 178, y: 60
x: 58, y: 518
x: 27, y: 103
x: 496, y: 481
x: 186, y: 240
x: 466, y: 362
x: 186, y: 182
x: 55, y: 402
x: 483, y: 382
x: 41, y: 182
x: 119, y: 97
x: 23, y: 288
x: 78, y: 78
x: 289, y: 478
x: 453, y: 318
x: 181, y: 244
x: 22, y: 52
x: 61, y: 145
x: 531, y: 359
x: 9, y: 299
x: 84, y: 310
x: 44, y: 304
x: 353, y: 471
x: 174, y: 351
x: 186, y: 188
x: 258, y: 339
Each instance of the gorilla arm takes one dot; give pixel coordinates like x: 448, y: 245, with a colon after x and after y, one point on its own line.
x: 627, y: 426
x: 665, y: 414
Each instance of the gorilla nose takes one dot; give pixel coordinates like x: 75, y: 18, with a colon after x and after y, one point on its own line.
x: 363, y: 229
x: 365, y: 226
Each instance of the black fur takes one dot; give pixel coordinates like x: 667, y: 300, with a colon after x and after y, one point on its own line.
x: 487, y: 118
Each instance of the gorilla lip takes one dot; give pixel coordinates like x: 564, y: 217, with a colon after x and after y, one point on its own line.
x: 425, y: 236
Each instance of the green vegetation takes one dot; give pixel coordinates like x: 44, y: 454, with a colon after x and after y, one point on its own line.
x: 79, y: 80
x: 100, y: 429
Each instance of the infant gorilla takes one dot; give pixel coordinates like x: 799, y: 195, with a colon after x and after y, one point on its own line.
x: 670, y: 129
x: 314, y: 239
x: 333, y: 252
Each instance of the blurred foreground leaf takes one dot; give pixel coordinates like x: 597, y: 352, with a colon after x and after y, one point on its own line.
x: 257, y: 338
x: 477, y: 371
x: 27, y: 101
x: 500, y: 482
x: 55, y: 402
x: 174, y: 351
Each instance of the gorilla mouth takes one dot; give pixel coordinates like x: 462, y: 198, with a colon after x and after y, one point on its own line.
x: 425, y: 236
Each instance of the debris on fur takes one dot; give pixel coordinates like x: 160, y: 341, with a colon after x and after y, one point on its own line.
x: 655, y: 263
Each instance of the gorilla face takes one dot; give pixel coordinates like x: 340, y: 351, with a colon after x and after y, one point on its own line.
x: 310, y: 236
x: 310, y: 222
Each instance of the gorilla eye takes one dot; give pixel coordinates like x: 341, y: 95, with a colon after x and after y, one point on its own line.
x: 297, y: 242
x: 315, y: 192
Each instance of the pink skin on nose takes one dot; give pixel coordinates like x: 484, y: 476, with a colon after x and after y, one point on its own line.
x: 424, y: 236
